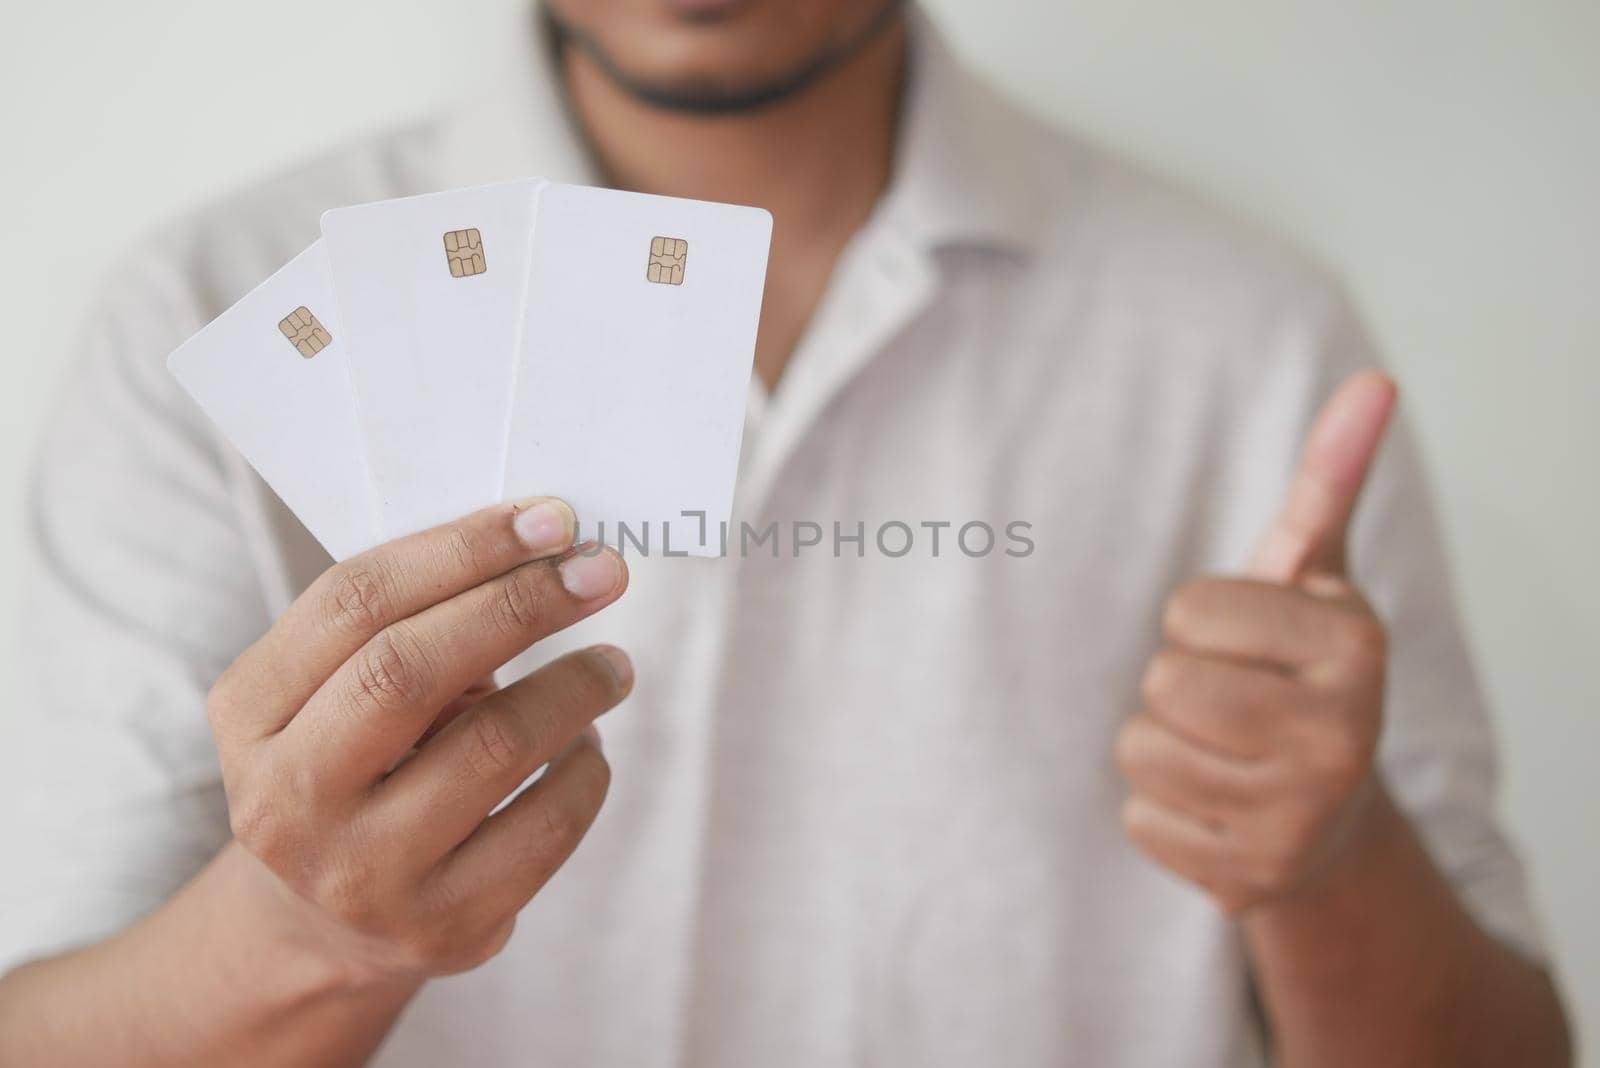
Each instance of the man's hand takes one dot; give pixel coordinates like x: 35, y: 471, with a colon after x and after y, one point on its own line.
x: 383, y: 850
x: 1251, y: 764
x: 1252, y: 774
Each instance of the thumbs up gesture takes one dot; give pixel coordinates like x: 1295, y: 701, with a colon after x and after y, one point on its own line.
x: 1252, y: 760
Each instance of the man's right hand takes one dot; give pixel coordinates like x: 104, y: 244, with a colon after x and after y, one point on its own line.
x: 363, y: 788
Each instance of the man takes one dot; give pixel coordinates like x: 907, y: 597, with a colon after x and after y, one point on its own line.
x: 865, y: 805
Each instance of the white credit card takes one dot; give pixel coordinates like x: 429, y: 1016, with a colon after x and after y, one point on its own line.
x: 638, y: 336
x: 430, y: 292
x: 270, y: 372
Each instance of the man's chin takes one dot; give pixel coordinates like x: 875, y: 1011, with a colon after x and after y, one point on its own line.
x: 715, y: 90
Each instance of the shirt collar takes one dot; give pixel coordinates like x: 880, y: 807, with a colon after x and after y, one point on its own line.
x: 960, y: 174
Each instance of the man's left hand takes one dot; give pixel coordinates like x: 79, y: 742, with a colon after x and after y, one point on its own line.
x: 1251, y: 764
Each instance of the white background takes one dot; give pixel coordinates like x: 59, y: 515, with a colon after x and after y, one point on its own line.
x: 1442, y: 155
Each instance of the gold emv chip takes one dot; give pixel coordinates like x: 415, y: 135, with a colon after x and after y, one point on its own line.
x: 305, y: 332
x: 464, y: 251
x: 667, y: 258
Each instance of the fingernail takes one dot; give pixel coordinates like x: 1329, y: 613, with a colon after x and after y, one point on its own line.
x: 618, y: 662
x: 588, y: 577
x: 545, y: 525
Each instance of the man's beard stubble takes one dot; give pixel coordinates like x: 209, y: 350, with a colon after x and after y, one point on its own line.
x: 708, y: 100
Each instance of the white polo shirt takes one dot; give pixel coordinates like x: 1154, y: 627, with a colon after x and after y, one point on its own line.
x: 864, y: 809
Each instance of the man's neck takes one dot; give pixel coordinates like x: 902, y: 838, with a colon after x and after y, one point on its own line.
x: 818, y: 161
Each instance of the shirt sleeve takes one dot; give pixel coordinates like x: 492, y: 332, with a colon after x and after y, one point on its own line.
x: 1438, y: 751
x: 138, y: 590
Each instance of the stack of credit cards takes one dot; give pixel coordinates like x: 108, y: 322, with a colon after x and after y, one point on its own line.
x: 435, y: 354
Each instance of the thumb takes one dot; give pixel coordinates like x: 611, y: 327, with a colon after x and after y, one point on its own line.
x: 1309, y: 532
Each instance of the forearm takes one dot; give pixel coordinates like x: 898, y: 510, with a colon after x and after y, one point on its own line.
x: 1377, y: 963
x: 221, y: 974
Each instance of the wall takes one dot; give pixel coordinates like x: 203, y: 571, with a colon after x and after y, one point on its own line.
x: 1443, y: 156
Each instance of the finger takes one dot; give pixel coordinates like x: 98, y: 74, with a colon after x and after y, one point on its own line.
x: 1271, y: 625
x: 376, y: 706
x: 1178, y: 842
x: 472, y: 695
x: 1166, y: 767
x: 1309, y: 532
x: 1231, y: 706
x: 354, y: 600
x: 442, y: 794
x: 513, y: 854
